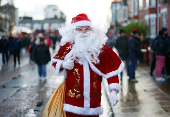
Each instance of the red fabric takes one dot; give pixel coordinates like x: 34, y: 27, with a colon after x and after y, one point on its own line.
x: 134, y: 31
x: 62, y: 53
x: 49, y: 42
x: 109, y: 61
x: 80, y: 17
x: 74, y: 115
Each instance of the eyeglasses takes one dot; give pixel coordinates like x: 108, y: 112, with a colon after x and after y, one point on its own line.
x: 81, y: 29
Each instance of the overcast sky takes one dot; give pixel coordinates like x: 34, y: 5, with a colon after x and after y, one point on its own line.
x: 97, y: 10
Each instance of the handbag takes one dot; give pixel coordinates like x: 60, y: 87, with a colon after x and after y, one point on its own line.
x: 54, y: 107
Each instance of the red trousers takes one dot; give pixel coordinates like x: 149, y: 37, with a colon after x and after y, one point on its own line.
x: 74, y: 115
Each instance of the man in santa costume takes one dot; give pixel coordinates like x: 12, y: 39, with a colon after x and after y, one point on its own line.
x: 85, y: 59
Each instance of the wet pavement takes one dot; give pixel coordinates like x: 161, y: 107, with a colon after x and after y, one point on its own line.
x: 23, y: 95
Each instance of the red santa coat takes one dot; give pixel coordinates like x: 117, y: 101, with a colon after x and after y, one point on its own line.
x: 83, y: 82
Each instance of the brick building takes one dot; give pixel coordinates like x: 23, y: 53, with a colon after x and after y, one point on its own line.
x: 155, y: 14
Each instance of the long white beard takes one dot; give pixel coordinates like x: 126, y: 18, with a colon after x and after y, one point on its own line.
x: 87, y: 45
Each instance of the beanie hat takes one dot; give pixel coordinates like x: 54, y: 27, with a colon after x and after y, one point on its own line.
x: 81, y: 20
x: 121, y: 31
x: 164, y: 29
x: 134, y: 31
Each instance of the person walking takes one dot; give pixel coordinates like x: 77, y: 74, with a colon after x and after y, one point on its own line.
x: 16, y: 46
x: 134, y: 54
x: 1, y: 45
x: 153, y: 63
x: 5, y: 50
x: 10, y: 39
x: 110, y: 41
x: 41, y: 56
x: 122, y: 48
x: 160, y: 50
x: 167, y: 54
x: 85, y: 59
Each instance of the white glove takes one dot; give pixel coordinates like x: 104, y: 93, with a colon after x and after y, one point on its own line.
x: 69, y: 64
x: 113, y: 98
x: 149, y: 48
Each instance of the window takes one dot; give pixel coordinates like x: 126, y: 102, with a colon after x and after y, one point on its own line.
x: 164, y: 20
x: 153, y: 3
x: 153, y: 26
x: 45, y: 27
x: 147, y: 22
x: 146, y: 4
x: 136, y: 7
x: 140, y: 4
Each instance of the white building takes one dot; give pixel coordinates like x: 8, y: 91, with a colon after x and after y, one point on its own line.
x: 52, y: 11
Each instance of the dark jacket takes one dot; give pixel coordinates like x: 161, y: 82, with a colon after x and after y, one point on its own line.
x: 41, y: 54
x: 16, y: 44
x: 122, y: 46
x: 5, y: 45
x: 1, y: 46
x: 134, y: 48
x: 160, y: 46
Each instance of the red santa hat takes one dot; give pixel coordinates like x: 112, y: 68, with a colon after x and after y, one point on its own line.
x: 81, y: 20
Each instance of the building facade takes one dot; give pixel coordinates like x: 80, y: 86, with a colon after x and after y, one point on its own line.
x: 53, y: 11
x: 119, y: 11
x: 45, y: 24
x: 154, y: 13
x: 8, y: 17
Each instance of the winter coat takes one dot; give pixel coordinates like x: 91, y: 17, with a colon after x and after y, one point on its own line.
x: 134, y: 48
x: 41, y: 54
x: 160, y: 46
x: 5, y: 45
x: 1, y: 46
x: 122, y: 46
x: 16, y: 44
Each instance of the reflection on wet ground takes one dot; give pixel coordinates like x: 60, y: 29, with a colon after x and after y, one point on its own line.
x: 147, y: 98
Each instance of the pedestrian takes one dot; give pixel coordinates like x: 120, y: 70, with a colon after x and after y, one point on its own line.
x: 16, y: 46
x: 160, y: 51
x: 58, y: 36
x: 10, y: 39
x: 85, y: 59
x: 1, y: 53
x: 31, y: 48
x: 110, y: 41
x: 41, y: 56
x: 167, y: 54
x: 122, y: 48
x: 134, y: 54
x: 152, y: 50
x: 5, y: 50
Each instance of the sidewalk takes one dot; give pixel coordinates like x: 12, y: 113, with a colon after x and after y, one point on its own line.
x: 143, y: 99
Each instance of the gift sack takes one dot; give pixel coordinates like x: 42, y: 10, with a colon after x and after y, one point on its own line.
x: 54, y: 107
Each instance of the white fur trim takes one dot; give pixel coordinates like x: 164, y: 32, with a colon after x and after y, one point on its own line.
x: 83, y: 111
x: 114, y: 86
x: 83, y: 23
x: 58, y: 65
x: 86, y: 83
x: 108, y: 75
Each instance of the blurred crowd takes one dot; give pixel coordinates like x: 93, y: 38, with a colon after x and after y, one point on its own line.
x: 15, y: 45
x: 129, y: 50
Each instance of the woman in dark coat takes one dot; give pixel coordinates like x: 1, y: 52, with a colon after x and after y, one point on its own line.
x: 41, y: 56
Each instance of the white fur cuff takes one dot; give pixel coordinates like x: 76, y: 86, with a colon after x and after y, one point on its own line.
x: 83, y: 111
x: 114, y: 86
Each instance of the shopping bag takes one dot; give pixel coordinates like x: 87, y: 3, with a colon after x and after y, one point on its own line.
x: 54, y: 107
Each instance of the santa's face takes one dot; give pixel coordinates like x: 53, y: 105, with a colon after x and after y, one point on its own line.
x: 83, y: 29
